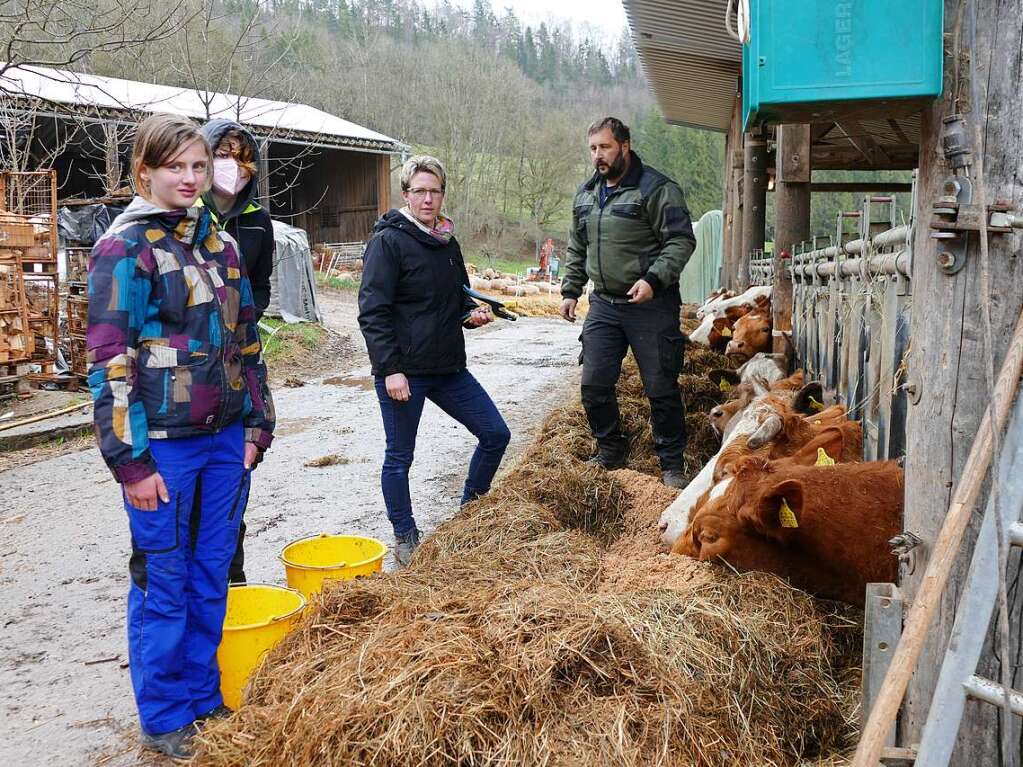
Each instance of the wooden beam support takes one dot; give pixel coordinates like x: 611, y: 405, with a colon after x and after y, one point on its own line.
x: 792, y: 209
x: 864, y: 142
x: 754, y: 203
x: 861, y: 186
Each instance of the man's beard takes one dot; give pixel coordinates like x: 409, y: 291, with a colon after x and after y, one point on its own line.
x: 615, y: 169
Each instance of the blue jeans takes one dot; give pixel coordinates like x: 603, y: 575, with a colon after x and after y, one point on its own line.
x: 461, y: 397
x: 178, y: 591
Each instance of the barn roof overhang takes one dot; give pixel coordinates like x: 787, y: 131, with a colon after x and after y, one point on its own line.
x: 690, y: 60
x: 94, y: 99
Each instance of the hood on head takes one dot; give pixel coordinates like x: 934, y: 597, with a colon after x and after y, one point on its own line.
x: 214, y: 131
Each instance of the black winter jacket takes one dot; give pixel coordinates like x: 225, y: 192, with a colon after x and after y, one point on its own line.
x: 411, y: 302
x: 246, y: 221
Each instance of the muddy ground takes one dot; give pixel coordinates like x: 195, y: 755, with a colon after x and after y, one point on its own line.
x: 65, y: 694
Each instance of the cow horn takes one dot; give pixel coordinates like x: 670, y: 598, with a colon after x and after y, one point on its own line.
x: 768, y: 430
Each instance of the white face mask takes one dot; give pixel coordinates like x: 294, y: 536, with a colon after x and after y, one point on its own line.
x: 227, y: 176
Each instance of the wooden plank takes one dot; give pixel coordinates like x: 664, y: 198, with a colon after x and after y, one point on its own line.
x: 793, y: 163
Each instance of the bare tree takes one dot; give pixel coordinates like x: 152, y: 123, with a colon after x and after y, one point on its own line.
x: 60, y: 33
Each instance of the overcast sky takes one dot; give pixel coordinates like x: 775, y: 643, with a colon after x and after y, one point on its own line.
x: 606, y: 15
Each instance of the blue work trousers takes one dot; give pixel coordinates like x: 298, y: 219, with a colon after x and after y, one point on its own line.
x: 461, y: 397
x: 178, y: 591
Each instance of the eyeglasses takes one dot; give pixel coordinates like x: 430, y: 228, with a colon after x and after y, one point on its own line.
x: 421, y: 193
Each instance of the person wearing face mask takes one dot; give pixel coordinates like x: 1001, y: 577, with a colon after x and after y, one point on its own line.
x: 230, y: 199
x: 631, y: 235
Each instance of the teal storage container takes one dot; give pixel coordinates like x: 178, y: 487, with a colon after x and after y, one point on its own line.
x: 814, y: 60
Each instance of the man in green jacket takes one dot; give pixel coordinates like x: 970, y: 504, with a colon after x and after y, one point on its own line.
x: 631, y: 236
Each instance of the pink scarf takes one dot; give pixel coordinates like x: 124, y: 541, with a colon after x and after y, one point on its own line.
x: 443, y: 228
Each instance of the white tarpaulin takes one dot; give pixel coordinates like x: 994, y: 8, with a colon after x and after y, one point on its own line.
x: 293, y: 282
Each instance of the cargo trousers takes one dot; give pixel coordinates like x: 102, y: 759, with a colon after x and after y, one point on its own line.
x: 178, y: 567
x: 651, y: 330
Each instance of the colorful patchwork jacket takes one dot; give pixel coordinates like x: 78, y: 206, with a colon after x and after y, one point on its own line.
x: 172, y: 340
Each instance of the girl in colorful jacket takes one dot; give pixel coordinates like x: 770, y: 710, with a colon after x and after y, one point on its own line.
x: 179, y: 386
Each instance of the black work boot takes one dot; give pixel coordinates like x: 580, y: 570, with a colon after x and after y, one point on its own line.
x: 610, y: 459
x: 405, y: 546
x: 674, y: 478
x: 177, y: 744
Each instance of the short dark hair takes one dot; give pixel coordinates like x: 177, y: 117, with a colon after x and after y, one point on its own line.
x: 619, y: 130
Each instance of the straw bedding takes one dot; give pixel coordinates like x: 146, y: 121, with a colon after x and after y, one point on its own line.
x: 543, y: 625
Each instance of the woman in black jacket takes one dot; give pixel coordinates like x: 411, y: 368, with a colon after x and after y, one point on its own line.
x: 411, y: 311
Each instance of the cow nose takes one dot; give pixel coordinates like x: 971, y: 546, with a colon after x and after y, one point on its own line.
x: 662, y: 526
x: 716, y: 413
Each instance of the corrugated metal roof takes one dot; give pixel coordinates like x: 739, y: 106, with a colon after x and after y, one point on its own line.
x: 690, y: 60
x: 110, y: 93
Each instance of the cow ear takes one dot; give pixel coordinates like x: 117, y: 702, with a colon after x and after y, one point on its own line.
x: 723, y: 379
x: 810, y: 399
x: 830, y: 440
x: 778, y: 510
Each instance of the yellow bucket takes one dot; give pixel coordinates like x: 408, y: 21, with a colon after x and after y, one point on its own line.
x: 310, y: 561
x: 258, y: 616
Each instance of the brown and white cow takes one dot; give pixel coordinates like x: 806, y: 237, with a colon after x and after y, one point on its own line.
x: 825, y: 528
x: 751, y: 334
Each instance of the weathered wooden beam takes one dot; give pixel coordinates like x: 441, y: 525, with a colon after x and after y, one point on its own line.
x: 754, y: 203
x: 792, y: 210
x: 861, y: 186
x: 900, y: 157
x: 864, y: 142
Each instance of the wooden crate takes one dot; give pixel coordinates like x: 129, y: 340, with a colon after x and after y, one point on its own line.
x: 77, y: 314
x: 16, y: 232
x: 76, y: 261
x: 79, y: 358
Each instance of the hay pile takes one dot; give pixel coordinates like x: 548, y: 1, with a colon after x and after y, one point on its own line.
x: 542, y: 626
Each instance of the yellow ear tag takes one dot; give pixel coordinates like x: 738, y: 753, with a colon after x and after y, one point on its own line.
x: 823, y: 459
x: 726, y: 332
x: 786, y: 517
x: 815, y: 405
x: 723, y: 385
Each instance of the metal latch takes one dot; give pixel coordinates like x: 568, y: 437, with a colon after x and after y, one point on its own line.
x: 954, y: 215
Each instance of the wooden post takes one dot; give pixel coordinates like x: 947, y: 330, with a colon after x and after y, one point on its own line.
x: 754, y: 203
x: 732, y: 239
x: 264, y: 174
x: 947, y: 366
x: 383, y: 183
x: 792, y: 207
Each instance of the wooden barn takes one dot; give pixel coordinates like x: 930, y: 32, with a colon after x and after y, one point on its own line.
x: 321, y: 173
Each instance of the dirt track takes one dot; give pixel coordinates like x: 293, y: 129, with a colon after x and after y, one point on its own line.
x: 64, y: 696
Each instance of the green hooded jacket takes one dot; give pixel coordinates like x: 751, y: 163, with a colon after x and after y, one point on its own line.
x: 642, y: 231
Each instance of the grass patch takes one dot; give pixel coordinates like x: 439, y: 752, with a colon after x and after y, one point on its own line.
x: 336, y: 283
x: 285, y: 342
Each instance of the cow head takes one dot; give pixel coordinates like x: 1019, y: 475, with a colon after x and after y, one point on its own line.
x: 777, y: 511
x: 717, y: 534
x: 720, y: 333
x: 750, y: 335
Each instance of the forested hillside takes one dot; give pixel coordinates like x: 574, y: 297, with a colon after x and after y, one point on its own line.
x: 503, y: 103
